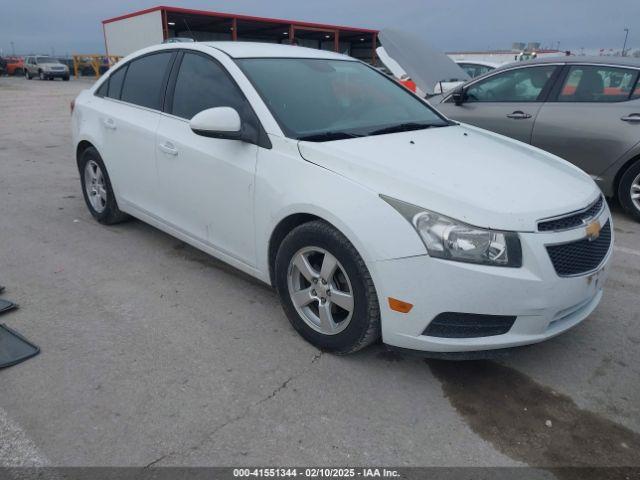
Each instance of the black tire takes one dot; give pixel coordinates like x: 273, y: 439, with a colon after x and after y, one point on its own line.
x: 111, y: 213
x: 364, y: 326
x: 66, y: 79
x: 27, y: 75
x: 624, y: 190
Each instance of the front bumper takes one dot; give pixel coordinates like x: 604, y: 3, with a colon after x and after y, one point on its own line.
x: 56, y: 74
x: 543, y: 303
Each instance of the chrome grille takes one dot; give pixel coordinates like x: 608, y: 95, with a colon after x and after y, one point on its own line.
x: 572, y: 220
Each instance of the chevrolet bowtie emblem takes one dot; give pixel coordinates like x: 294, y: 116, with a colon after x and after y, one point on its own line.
x: 593, y: 230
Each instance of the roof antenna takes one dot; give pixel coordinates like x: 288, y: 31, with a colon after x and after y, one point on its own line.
x: 186, y: 24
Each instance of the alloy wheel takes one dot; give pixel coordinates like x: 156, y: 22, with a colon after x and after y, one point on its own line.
x: 320, y: 290
x: 635, y: 192
x: 94, y: 184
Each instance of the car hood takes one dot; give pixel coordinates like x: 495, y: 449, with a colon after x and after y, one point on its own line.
x: 52, y: 64
x: 475, y: 176
x: 407, y: 52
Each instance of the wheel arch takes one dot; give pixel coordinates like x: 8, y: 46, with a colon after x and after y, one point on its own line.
x: 81, y: 147
x: 280, y: 231
x: 621, y: 171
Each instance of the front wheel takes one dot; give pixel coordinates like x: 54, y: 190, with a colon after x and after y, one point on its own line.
x: 97, y: 190
x: 629, y: 190
x: 326, y: 290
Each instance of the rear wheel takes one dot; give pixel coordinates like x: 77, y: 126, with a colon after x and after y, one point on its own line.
x: 629, y: 190
x: 326, y: 290
x: 97, y: 190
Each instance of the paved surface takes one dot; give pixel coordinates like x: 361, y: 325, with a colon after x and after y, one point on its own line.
x: 154, y: 352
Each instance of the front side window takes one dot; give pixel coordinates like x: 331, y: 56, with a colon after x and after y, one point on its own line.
x: 202, y: 83
x: 144, y: 80
x: 321, y: 99
x: 590, y: 83
x: 517, y: 85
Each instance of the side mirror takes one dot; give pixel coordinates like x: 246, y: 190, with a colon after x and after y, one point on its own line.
x: 218, y: 122
x: 458, y: 95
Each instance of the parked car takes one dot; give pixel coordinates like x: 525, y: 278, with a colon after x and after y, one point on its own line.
x: 3, y: 66
x: 585, y: 110
x: 15, y: 66
x: 45, y: 68
x: 369, y: 212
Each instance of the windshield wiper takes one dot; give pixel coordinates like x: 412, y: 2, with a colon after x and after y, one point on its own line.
x: 404, y: 127
x: 328, y: 136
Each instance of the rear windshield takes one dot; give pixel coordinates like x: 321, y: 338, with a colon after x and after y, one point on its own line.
x: 324, y: 99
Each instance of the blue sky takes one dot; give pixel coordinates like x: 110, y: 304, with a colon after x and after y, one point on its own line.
x: 70, y: 26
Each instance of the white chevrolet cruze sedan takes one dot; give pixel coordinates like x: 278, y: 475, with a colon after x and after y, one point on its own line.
x: 370, y: 213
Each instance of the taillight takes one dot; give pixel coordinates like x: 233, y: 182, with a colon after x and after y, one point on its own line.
x: 72, y: 105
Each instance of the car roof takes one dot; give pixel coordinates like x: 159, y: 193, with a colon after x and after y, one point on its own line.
x: 573, y: 59
x: 266, y: 50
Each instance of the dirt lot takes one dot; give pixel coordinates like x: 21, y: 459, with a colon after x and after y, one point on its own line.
x: 154, y: 353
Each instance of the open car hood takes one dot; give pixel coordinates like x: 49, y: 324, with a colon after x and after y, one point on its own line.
x: 426, y: 67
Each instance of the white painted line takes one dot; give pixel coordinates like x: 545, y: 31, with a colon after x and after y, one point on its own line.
x: 630, y: 251
x: 16, y: 448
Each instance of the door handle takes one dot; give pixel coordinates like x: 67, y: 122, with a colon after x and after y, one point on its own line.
x: 518, y: 115
x: 634, y: 117
x: 168, y: 148
x: 109, y: 123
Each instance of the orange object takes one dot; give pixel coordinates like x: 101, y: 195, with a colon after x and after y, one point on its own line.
x: 410, y: 84
x: 399, y: 305
x: 15, y: 66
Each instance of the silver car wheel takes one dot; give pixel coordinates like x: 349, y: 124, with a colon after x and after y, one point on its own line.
x: 320, y: 290
x: 94, y: 186
x: 635, y: 192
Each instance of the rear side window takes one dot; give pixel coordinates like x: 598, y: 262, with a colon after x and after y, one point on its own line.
x: 115, y: 83
x: 144, y: 80
x: 102, y: 91
x: 202, y: 83
x: 590, y: 83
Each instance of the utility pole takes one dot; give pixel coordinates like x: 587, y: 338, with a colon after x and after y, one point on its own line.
x: 13, y: 49
x: 624, y: 46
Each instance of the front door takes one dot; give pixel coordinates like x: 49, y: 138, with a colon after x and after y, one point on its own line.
x: 206, y: 185
x: 506, y: 103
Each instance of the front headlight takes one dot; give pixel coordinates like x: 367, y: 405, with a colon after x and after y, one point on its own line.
x: 451, y: 239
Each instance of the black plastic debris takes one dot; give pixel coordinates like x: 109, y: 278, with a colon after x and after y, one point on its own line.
x: 14, y: 348
x: 6, y: 305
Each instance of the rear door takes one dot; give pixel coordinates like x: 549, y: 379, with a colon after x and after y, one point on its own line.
x: 593, y: 116
x: 506, y: 102
x: 129, y: 119
x: 206, y: 184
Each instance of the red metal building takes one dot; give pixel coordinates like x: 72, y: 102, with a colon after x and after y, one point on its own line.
x: 127, y: 33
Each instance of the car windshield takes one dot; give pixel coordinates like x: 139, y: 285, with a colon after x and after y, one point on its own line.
x: 322, y: 100
x: 46, y: 60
